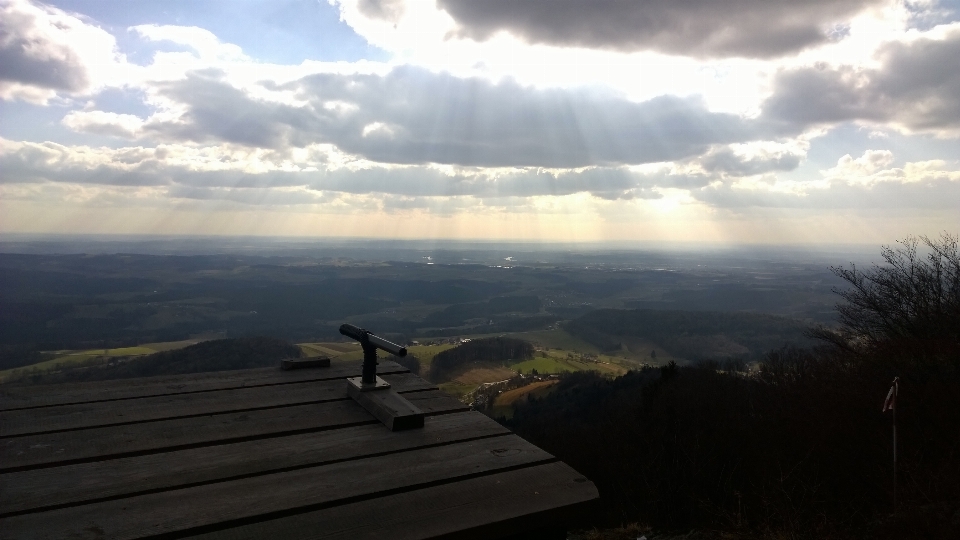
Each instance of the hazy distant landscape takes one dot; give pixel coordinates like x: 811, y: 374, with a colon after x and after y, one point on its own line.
x: 66, y: 306
x: 682, y: 382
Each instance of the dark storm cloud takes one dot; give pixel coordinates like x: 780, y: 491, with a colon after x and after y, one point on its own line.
x: 704, y: 28
x: 917, y: 86
x: 413, y: 116
x: 26, y: 57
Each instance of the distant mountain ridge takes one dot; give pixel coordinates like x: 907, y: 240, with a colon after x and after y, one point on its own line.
x: 692, y: 335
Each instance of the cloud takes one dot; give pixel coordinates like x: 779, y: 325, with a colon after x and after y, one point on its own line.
x: 753, y: 159
x: 44, y: 51
x: 869, y: 181
x: 206, y: 45
x: 385, y: 10
x: 866, y: 166
x: 104, y: 123
x: 703, y: 28
x: 937, y: 193
x: 203, y: 170
x: 414, y: 116
x: 34, y: 50
x: 915, y: 87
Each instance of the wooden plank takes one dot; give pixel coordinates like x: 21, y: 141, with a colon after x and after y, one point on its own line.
x: 238, y: 502
x: 435, y: 402
x: 104, y: 480
x: 304, y: 363
x: 94, y: 444
x: 18, y: 397
x: 106, y: 413
x: 490, y: 506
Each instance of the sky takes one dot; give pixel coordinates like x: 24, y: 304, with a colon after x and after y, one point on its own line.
x: 708, y: 121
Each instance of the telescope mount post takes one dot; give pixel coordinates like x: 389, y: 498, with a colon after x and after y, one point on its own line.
x: 372, y: 392
x: 369, y: 374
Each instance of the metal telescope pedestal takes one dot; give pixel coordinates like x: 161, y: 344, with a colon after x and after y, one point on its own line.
x: 372, y: 392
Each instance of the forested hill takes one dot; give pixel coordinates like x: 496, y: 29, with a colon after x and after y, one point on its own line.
x: 691, y: 335
x: 490, y: 350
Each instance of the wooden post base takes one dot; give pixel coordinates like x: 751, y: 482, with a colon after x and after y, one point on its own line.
x: 388, y: 406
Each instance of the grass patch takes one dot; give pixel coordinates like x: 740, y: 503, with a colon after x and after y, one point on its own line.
x: 549, y: 365
x: 339, y: 351
x: 79, y: 358
x: 456, y: 389
x: 485, y: 374
x: 171, y: 345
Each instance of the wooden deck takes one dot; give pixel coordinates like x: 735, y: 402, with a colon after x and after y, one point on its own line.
x: 266, y: 453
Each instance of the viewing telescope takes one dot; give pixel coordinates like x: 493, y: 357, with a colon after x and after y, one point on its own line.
x: 370, y: 342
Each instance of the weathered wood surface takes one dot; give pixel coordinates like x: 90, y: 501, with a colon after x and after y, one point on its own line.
x: 107, y: 413
x: 227, y: 504
x: 44, y: 450
x: 59, y: 486
x: 266, y: 453
x: 502, y: 504
x: 17, y: 397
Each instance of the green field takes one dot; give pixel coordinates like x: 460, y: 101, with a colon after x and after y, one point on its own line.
x: 95, y: 356
x: 456, y: 389
x: 548, y: 365
x: 557, y: 339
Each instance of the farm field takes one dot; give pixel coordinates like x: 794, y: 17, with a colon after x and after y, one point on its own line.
x: 552, y: 365
x: 503, y: 405
x: 557, y: 339
x: 480, y: 375
x: 550, y: 358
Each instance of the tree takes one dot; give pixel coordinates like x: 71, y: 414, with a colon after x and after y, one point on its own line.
x: 912, y: 303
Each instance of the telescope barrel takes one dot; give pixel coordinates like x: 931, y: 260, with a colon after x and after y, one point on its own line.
x: 362, y: 335
x: 388, y: 346
x: 352, y: 331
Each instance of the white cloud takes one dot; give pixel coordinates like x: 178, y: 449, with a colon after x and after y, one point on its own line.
x: 45, y: 51
x: 869, y: 181
x: 205, y: 44
x: 104, y: 123
x: 915, y: 87
x: 862, y: 169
